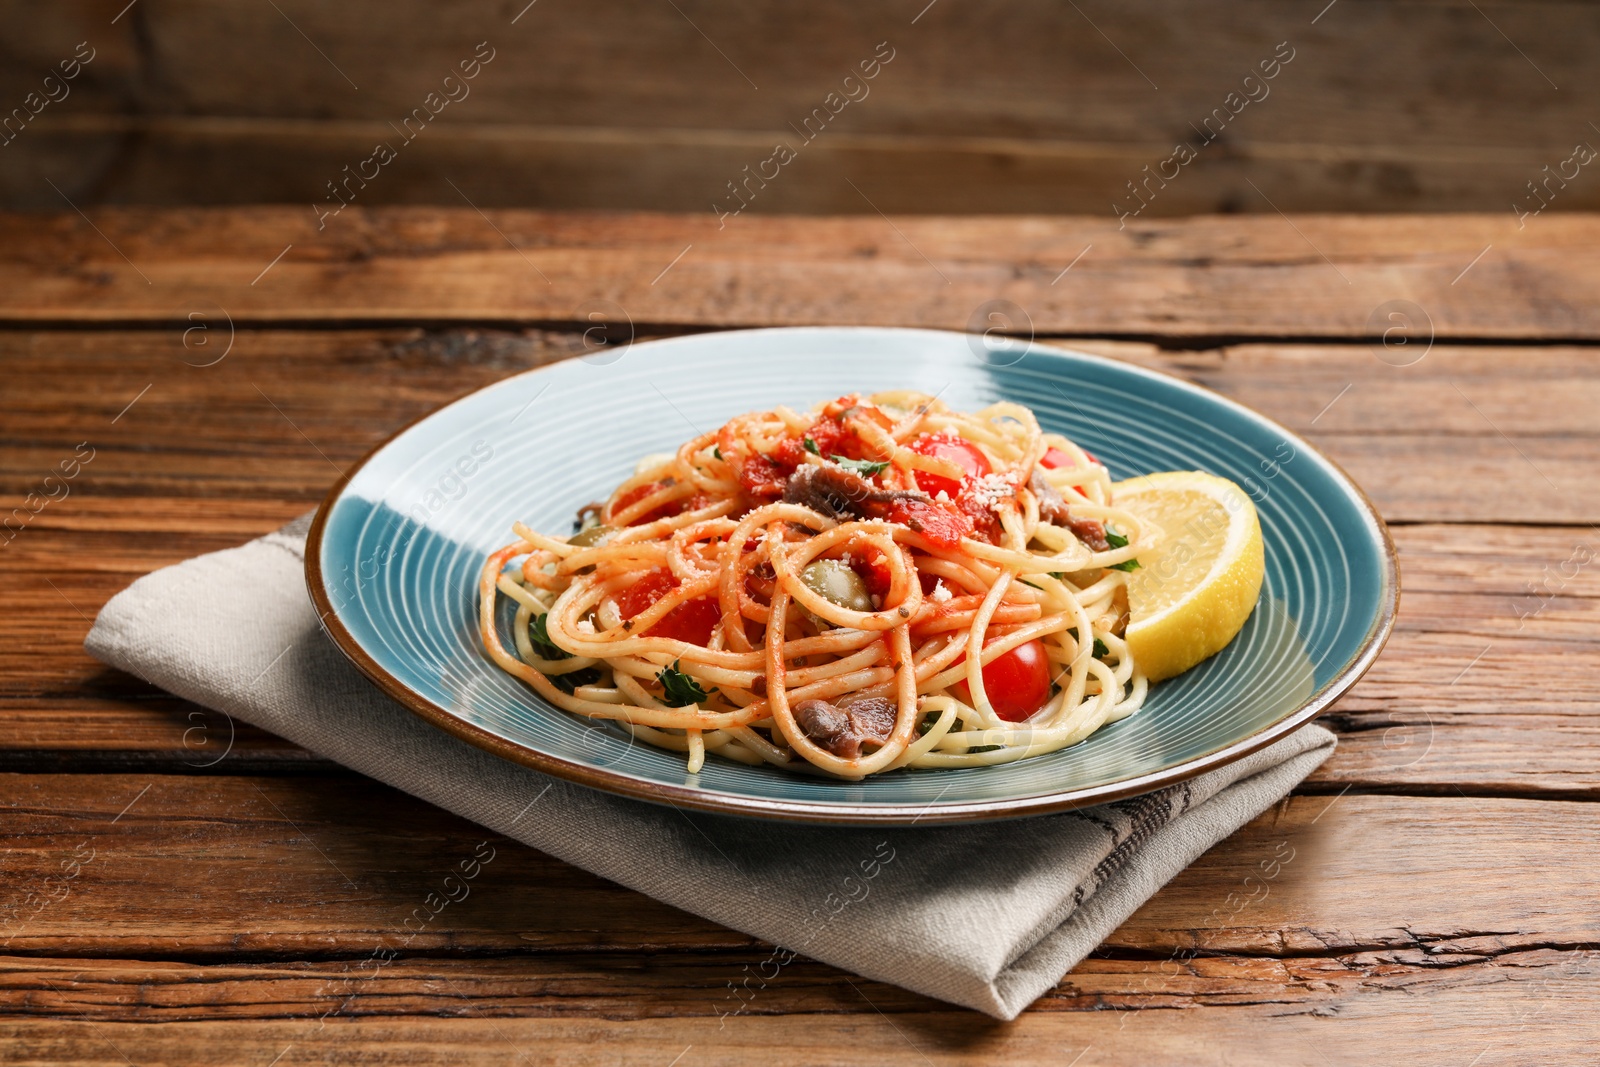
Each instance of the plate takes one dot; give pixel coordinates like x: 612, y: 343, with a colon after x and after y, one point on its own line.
x: 395, y: 550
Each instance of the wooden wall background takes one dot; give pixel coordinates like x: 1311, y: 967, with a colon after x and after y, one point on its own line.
x: 1007, y: 106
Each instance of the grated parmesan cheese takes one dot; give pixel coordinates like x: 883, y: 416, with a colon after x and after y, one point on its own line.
x: 993, y: 488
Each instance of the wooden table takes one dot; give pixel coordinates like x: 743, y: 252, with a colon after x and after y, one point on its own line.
x: 173, y: 891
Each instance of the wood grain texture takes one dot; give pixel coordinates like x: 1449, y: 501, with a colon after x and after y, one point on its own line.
x: 1017, y: 67
x: 1262, y: 276
x: 181, y: 161
x: 1540, y: 1008
x: 287, y: 411
x: 204, y: 869
x: 627, y: 987
x: 1432, y: 890
x: 1018, y: 106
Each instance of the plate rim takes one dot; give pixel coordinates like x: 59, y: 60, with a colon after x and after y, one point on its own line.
x: 851, y: 813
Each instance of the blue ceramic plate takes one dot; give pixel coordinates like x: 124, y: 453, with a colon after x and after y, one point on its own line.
x: 396, y: 549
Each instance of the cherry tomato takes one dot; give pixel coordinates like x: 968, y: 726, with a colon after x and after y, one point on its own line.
x: 691, y: 621
x: 1018, y: 683
x: 638, y: 493
x: 1055, y: 457
x: 760, y: 478
x: 826, y: 435
x: 638, y: 597
x: 953, y: 449
x: 942, y: 524
x: 875, y: 573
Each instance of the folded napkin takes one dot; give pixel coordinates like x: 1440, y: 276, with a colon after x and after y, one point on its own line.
x: 989, y: 916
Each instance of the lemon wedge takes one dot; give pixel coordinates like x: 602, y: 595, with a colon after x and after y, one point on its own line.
x: 1193, y: 592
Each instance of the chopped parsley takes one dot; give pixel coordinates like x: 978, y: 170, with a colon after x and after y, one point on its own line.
x: 1116, y: 540
x: 572, y: 679
x: 540, y: 637
x: 548, y: 649
x: 811, y: 446
x: 864, y: 467
x: 1100, y: 649
x: 680, y: 689
x: 717, y: 451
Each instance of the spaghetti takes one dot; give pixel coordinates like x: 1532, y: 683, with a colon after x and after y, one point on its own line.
x: 878, y: 583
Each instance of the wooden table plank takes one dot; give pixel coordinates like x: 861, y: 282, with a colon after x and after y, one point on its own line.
x: 664, y: 122
x: 1015, y: 107
x: 181, y: 160
x: 1387, y: 916
x: 286, y: 411
x: 694, y: 985
x: 1540, y: 1007
x: 1228, y: 276
x: 204, y: 869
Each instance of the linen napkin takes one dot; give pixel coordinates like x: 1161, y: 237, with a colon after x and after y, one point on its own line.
x: 989, y: 916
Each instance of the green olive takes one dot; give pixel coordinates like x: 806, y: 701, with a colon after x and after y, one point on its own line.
x: 834, y: 580
x: 592, y: 537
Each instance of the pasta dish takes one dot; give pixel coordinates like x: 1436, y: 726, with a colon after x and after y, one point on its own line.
x: 878, y: 583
